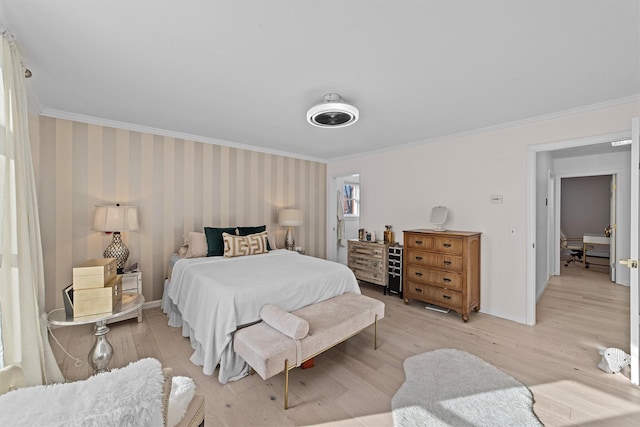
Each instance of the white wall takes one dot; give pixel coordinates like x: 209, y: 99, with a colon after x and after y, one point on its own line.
x: 461, y: 173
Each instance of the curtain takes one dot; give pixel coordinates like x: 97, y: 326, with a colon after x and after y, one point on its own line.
x: 24, y: 332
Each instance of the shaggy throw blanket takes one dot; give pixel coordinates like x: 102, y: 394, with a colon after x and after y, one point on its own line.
x: 129, y: 396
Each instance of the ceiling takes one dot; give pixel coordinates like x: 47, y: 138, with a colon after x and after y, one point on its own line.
x: 245, y: 72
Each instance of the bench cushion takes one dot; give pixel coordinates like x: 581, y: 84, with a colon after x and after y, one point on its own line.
x: 330, y: 322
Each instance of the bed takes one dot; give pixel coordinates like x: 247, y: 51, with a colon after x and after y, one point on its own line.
x: 211, y: 297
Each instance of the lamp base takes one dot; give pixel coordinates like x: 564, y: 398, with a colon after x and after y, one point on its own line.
x: 118, y: 250
x: 289, y: 242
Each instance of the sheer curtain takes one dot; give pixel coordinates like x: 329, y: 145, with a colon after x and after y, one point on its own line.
x: 24, y: 333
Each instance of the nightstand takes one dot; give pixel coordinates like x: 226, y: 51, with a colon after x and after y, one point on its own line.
x: 131, y: 283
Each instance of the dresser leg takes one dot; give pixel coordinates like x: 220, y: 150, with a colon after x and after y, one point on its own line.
x: 465, y: 318
x: 476, y: 308
x: 406, y: 300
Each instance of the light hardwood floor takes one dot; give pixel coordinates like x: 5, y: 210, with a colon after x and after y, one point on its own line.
x: 352, y: 384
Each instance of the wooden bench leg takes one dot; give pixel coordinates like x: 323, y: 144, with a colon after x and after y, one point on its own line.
x: 286, y: 384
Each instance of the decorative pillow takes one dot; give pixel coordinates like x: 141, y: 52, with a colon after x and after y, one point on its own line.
x: 182, y: 391
x: 287, y: 323
x: 252, y: 244
x: 245, y: 231
x: 196, y: 245
x: 215, y: 244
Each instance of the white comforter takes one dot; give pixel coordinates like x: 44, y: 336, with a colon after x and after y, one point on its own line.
x: 211, y: 297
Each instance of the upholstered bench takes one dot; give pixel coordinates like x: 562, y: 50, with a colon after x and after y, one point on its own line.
x: 283, y: 341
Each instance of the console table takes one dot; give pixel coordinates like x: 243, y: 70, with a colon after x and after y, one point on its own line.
x: 101, y: 352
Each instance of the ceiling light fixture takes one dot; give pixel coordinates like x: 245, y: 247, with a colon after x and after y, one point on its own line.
x: 333, y: 112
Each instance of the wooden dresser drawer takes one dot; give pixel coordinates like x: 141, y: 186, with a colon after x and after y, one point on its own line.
x: 434, y: 260
x: 419, y: 241
x: 450, y: 245
x: 444, y: 279
x: 368, y: 261
x: 434, y: 294
x: 376, y: 277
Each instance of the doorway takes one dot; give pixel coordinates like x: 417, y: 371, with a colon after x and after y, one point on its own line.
x: 347, y: 212
x: 587, y: 205
x: 342, y: 225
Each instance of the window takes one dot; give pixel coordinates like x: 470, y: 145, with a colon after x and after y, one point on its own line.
x: 351, y: 199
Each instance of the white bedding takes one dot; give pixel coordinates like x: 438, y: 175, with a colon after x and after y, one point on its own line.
x: 211, y: 297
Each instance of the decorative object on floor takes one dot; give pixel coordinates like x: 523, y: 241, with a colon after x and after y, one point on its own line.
x: 449, y: 387
x: 290, y: 218
x: 333, y: 112
x: 438, y: 217
x: 115, y: 219
x: 613, y: 360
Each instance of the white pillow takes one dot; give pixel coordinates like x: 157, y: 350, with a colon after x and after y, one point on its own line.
x: 182, y: 391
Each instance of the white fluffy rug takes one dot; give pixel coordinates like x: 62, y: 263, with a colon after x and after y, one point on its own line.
x: 450, y: 387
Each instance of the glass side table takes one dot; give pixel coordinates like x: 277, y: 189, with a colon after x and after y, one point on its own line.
x: 101, y: 352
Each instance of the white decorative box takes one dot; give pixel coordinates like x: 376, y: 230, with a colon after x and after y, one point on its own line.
x: 94, y: 273
x: 87, y: 302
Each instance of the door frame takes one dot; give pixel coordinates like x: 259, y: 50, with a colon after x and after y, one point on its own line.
x: 332, y: 218
x: 634, y: 311
x: 532, y: 152
x: 557, y: 214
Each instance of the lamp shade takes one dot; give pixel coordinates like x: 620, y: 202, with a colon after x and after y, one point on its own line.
x: 113, y: 218
x: 290, y: 217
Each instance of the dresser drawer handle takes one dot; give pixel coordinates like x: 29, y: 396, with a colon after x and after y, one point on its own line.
x: 447, y: 297
x: 418, y: 290
x: 446, y: 245
x: 418, y: 274
x: 418, y: 258
x: 446, y: 262
x: 418, y: 242
x: 446, y: 280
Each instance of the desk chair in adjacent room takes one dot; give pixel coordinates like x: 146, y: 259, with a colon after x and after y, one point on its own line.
x: 574, y: 245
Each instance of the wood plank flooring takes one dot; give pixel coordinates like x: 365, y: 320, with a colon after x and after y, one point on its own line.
x: 352, y: 384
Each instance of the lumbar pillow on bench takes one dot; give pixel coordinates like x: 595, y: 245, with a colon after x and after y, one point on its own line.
x: 287, y: 323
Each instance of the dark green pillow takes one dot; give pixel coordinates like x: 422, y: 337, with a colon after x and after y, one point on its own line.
x: 245, y: 231
x: 215, y: 244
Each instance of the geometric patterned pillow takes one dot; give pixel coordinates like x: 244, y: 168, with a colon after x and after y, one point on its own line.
x: 244, y: 245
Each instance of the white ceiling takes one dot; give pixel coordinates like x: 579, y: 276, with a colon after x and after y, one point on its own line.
x: 245, y: 72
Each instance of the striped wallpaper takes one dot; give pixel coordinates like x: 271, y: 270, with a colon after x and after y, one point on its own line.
x: 178, y: 186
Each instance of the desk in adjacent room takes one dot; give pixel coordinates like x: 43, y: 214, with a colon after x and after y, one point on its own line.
x: 592, y: 239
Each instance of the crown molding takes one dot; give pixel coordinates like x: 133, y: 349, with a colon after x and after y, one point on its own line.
x: 65, y: 115
x: 537, y: 119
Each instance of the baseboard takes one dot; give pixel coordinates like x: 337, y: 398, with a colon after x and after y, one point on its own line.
x: 152, y: 304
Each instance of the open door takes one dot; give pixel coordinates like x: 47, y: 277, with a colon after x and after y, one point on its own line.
x: 632, y: 263
x: 613, y: 227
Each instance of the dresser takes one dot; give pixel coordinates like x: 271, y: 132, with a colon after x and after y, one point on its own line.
x: 443, y: 268
x: 368, y: 261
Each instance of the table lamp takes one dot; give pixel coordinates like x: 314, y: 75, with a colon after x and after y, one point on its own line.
x: 290, y: 218
x: 115, y: 219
